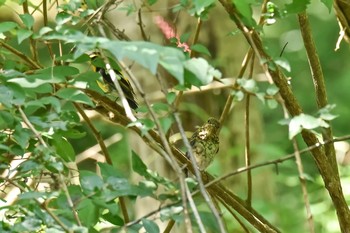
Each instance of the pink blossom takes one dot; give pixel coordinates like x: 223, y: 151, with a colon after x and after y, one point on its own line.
x: 169, y: 33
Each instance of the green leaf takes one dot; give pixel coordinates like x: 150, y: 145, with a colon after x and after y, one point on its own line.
x: 283, y: 63
x: 271, y: 103
x: 138, y: 166
x: 150, y: 226
x: 144, y: 53
x: 31, y: 195
x: 108, y: 170
x: 171, y: 60
x: 328, y: 4
x: 297, y: 6
x: 148, y: 55
x: 44, y: 30
x: 303, y: 121
x: 27, y: 20
x: 23, y: 34
x: 123, y: 187
x: 325, y: 113
x: 200, y: 49
x: 160, y: 107
x: 203, y: 72
x: 200, y: 6
x: 261, y: 96
x: 56, y: 74
x: 7, y: 120
x: 11, y: 95
x: 113, y: 218
x: 29, y: 165
x: 74, y: 95
x: 169, y: 213
x: 185, y: 37
x: 272, y: 90
x: 170, y: 97
x: 237, y: 95
x: 210, y: 221
x: 63, y: 17
x: 90, y: 182
x: 166, y: 123
x: 88, y: 212
x: 22, y: 136
x: 7, y: 26
x: 40, y: 103
x: 63, y: 148
x: 30, y: 224
x: 121, y: 148
x: 248, y: 85
x: 151, y: 2
x: 245, y: 10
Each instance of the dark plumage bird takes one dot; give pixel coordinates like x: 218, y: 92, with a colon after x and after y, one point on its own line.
x: 205, y: 143
x: 109, y: 86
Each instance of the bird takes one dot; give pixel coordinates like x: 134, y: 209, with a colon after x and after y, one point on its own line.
x: 108, y: 86
x: 205, y: 143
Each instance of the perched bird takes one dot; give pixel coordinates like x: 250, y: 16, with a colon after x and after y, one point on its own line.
x: 205, y: 143
x: 108, y: 85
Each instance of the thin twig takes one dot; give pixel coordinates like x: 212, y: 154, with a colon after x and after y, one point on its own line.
x: 229, y: 101
x: 276, y: 161
x: 301, y: 176
x: 69, y: 199
x: 247, y: 153
x: 194, y: 41
x: 45, y: 12
x: 140, y: 23
x: 169, y: 226
x: 244, y: 227
x: 318, y: 81
x: 303, y: 186
x: 24, y: 57
x: 195, y: 168
x: 96, y: 133
x: 31, y: 127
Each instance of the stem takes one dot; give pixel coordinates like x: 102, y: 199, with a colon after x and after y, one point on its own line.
x: 96, y: 134
x: 31, y: 127
x: 318, y: 80
x: 229, y: 100
x: 303, y: 186
x: 247, y: 138
x: 247, y: 151
x: 192, y: 53
x: 169, y: 226
x: 30, y: 62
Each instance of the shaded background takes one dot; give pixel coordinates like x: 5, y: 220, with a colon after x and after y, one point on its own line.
x: 277, y: 196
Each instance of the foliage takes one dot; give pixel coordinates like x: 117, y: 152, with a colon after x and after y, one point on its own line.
x: 47, y: 87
